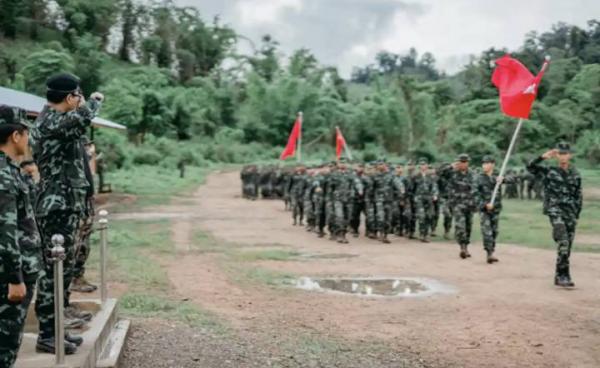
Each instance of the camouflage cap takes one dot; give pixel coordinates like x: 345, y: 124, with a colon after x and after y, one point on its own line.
x: 463, y: 157
x: 488, y: 159
x: 13, y: 115
x: 423, y: 161
x: 563, y: 147
x: 26, y: 163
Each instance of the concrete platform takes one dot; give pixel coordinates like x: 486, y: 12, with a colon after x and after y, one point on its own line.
x: 104, y: 338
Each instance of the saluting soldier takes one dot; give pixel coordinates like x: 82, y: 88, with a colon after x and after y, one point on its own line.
x: 562, y: 203
x: 489, y: 213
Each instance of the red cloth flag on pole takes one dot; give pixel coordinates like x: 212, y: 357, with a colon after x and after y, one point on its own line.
x: 340, y: 143
x: 516, y: 85
x: 290, y: 148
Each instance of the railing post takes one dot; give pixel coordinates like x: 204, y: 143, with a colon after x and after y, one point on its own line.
x: 58, y: 256
x: 103, y: 254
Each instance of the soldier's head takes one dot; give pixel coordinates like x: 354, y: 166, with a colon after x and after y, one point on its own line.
x: 462, y: 162
x: 360, y: 169
x: 564, y: 153
x: 399, y: 170
x: 14, y: 131
x: 63, y: 92
x: 342, y: 165
x: 382, y: 166
x: 423, y: 165
x: 410, y: 166
x: 488, y: 163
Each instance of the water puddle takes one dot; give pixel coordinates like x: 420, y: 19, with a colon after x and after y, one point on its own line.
x: 405, y: 287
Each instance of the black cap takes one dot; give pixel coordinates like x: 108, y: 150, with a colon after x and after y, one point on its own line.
x: 463, y: 157
x: 13, y: 115
x: 563, y: 147
x: 488, y: 159
x: 63, y: 82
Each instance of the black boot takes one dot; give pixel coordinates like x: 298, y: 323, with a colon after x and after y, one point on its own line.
x: 490, y: 257
x: 562, y: 277
x: 47, y: 346
x: 463, y: 251
x: 424, y: 238
x: 341, y: 238
x: 384, y: 238
x: 74, y: 339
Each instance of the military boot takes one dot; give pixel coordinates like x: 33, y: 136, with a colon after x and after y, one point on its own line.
x: 342, y: 238
x: 74, y: 323
x: 74, y: 339
x: 424, y: 239
x: 447, y: 235
x: 384, y: 238
x: 355, y: 233
x: 332, y: 237
x: 463, y: 251
x: 75, y: 313
x: 47, y: 345
x: 321, y: 234
x: 411, y: 236
x: 490, y: 257
x: 563, y: 276
x: 301, y: 223
x: 310, y: 228
x: 81, y: 285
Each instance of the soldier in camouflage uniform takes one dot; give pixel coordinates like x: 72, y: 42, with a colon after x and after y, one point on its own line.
x: 59, y: 154
x: 489, y: 214
x: 562, y: 204
x: 287, y: 175
x: 318, y: 200
x: 436, y: 205
x: 382, y: 188
x: 461, y: 183
x: 410, y: 224
x: 511, y: 183
x: 369, y: 197
x: 342, y: 184
x: 20, y: 244
x: 82, y: 244
x: 425, y: 193
x: 358, y: 199
x: 309, y: 212
x: 443, y: 200
x: 298, y: 185
x: 398, y: 198
x: 329, y: 202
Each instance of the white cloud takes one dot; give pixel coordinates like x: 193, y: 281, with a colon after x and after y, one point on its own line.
x: 349, y: 33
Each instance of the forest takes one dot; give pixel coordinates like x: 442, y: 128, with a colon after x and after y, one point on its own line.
x: 176, y: 79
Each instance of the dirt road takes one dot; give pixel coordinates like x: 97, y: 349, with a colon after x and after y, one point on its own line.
x: 504, y: 315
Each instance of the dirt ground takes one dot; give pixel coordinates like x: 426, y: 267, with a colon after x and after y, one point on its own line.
x: 503, y: 315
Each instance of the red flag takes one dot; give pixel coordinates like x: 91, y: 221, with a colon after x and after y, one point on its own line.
x: 340, y: 143
x: 516, y: 85
x: 290, y: 148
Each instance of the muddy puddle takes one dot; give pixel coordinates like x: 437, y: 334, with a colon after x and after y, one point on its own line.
x: 405, y: 287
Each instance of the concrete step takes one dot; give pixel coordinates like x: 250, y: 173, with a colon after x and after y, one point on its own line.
x: 111, y: 354
x: 96, y: 335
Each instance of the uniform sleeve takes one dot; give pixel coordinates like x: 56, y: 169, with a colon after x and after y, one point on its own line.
x: 10, y: 253
x: 360, y: 189
x: 435, y: 189
x: 536, y: 168
x: 579, y: 197
x: 478, y: 195
x: 74, y: 123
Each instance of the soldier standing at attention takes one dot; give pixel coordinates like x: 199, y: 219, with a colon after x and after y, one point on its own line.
x: 383, y: 195
x: 409, y: 205
x: 562, y: 204
x: 358, y: 198
x: 489, y: 213
x: 370, y: 219
x: 425, y: 193
x: 298, y: 184
x: 461, y: 189
x: 20, y: 244
x: 59, y: 154
x: 443, y: 199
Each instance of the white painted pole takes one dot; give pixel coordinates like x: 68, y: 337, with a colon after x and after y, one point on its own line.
x: 506, y: 158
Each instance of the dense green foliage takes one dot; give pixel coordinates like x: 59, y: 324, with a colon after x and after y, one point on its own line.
x: 185, y: 93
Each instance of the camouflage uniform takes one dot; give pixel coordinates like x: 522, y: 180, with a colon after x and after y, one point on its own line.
x: 461, y: 189
x: 357, y: 201
x: 329, y: 206
x: 410, y: 218
x: 309, y: 212
x: 425, y: 192
x: 318, y: 201
x: 298, y: 185
x: 398, y: 197
x: 562, y: 205
x: 369, y: 198
x: 444, y: 202
x: 287, y: 187
x: 59, y: 154
x: 436, y: 207
x: 484, y: 188
x: 383, y: 205
x: 21, y: 256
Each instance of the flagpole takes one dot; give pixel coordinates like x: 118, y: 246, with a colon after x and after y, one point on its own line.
x: 300, y: 138
x: 512, y: 145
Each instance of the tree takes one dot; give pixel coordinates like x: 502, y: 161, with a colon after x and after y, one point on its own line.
x: 9, y: 13
x: 43, y: 64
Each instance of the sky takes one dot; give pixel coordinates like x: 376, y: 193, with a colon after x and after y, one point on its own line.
x: 349, y: 33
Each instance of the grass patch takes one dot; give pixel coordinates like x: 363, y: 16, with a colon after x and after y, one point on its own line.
x: 155, y: 185
x: 149, y: 305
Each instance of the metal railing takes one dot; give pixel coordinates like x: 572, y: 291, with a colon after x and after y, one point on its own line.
x: 57, y: 255
x: 103, y: 254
